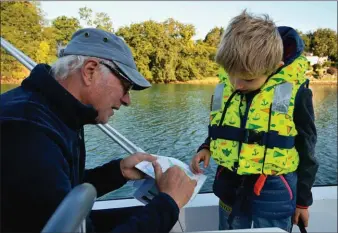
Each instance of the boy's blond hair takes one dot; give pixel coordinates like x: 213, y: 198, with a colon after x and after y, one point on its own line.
x: 250, y: 47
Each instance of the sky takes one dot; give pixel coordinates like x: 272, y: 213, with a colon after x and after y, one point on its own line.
x: 204, y: 15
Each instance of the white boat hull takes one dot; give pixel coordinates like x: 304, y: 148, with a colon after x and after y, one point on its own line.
x: 202, y: 213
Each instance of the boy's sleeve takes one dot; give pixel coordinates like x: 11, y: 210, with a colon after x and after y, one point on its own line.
x: 305, y: 143
x: 205, y: 145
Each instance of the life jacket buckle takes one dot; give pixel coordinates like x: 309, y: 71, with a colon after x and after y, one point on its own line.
x: 253, y: 136
x: 235, y: 167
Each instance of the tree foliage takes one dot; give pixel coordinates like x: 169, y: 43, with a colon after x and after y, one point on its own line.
x: 21, y: 25
x: 325, y: 42
x: 214, y: 36
x: 164, y: 51
x: 64, y: 27
x: 322, y: 42
x: 101, y: 19
x: 307, y: 39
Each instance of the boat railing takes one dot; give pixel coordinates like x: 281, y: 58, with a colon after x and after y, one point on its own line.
x: 70, y: 215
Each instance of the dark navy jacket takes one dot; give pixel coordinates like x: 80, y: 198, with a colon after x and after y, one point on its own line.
x: 43, y: 158
x: 278, y: 199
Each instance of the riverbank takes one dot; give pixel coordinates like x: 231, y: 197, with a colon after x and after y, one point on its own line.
x: 326, y: 80
x: 209, y: 80
x: 11, y: 81
x: 214, y: 80
x: 205, y: 81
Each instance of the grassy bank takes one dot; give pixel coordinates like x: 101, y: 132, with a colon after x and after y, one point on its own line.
x: 208, y: 80
x: 327, y: 80
x: 10, y: 81
x: 323, y: 82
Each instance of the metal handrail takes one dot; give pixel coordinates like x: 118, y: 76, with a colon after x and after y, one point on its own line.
x: 106, y: 128
x: 70, y: 215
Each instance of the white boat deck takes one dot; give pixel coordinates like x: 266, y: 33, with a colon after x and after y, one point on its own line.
x: 202, y: 213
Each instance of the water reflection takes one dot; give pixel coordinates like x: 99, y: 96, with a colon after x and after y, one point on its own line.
x: 325, y: 106
x: 172, y: 120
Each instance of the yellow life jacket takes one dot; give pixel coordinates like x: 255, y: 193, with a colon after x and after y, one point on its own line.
x: 265, y: 144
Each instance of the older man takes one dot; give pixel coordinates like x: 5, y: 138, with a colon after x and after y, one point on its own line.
x: 42, y: 145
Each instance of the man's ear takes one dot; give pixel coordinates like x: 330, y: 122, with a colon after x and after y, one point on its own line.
x: 281, y: 63
x: 88, y: 70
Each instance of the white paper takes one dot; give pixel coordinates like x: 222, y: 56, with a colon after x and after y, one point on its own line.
x: 147, y: 188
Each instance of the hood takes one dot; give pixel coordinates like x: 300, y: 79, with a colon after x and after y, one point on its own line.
x: 293, y: 45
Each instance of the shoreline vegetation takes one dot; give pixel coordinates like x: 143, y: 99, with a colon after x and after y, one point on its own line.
x: 326, y: 80
x: 164, y: 51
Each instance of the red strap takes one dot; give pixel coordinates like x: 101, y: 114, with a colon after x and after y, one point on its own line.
x: 219, y: 172
x: 259, y: 184
x: 302, y: 207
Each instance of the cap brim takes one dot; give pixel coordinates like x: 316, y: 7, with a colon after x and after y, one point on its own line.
x: 139, y: 81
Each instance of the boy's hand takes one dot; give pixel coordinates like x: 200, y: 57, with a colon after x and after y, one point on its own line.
x: 303, y: 214
x: 203, y: 155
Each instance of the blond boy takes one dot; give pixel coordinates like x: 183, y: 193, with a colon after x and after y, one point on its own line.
x: 261, y: 132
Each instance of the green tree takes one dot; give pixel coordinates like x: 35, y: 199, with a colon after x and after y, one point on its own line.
x: 50, y: 37
x: 325, y: 42
x: 205, y: 60
x: 307, y: 39
x: 213, y: 37
x: 165, y: 51
x: 141, y: 38
x: 21, y: 25
x: 101, y: 19
x: 86, y: 15
x: 42, y: 53
x: 64, y: 28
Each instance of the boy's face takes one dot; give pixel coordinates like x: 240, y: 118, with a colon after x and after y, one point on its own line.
x: 248, y: 85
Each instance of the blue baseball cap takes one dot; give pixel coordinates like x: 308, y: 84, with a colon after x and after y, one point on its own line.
x: 98, y: 43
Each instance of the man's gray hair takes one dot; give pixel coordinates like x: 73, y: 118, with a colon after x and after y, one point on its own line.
x: 66, y: 65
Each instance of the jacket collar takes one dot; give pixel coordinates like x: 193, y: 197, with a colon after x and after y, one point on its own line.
x: 61, y: 102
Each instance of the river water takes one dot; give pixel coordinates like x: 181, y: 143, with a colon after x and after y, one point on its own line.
x: 171, y: 120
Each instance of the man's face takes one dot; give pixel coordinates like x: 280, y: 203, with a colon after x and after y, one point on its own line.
x: 107, y: 91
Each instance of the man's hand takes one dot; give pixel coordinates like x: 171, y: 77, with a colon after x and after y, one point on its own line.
x: 127, y: 165
x: 202, y: 155
x: 303, y: 214
x: 175, y: 183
